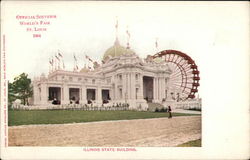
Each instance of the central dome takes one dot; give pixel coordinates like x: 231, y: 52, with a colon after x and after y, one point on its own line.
x: 116, y: 50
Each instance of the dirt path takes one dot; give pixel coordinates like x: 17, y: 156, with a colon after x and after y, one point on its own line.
x: 156, y: 132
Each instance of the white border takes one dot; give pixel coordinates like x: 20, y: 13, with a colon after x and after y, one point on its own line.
x: 225, y: 119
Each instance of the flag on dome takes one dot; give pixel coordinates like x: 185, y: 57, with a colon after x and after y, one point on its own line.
x: 87, y: 57
x: 59, y: 54
x: 128, y: 38
x: 116, y: 25
x: 75, y: 57
x: 57, y: 57
x: 156, y: 43
x: 63, y: 65
x: 128, y: 33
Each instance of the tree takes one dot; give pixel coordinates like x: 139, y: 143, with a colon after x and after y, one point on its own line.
x: 11, y: 93
x: 22, y: 87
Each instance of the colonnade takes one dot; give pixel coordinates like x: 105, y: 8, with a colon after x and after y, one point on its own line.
x: 42, y: 94
x: 159, y: 91
x: 131, y: 84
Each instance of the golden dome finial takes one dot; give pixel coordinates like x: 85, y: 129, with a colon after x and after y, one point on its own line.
x: 116, y: 32
x: 128, y: 38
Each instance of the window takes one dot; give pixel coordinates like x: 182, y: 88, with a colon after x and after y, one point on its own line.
x: 70, y: 78
x: 120, y: 92
x: 79, y: 79
x: 136, y: 93
x: 93, y: 81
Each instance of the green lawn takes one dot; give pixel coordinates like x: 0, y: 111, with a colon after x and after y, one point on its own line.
x: 195, y: 143
x: 21, y: 117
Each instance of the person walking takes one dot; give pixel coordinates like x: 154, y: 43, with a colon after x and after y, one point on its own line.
x: 169, y: 112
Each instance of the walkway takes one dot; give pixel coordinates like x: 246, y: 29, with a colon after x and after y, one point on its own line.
x: 158, y: 132
x: 186, y: 111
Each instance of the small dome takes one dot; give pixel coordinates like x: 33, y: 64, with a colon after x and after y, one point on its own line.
x: 116, y: 50
x: 84, y: 70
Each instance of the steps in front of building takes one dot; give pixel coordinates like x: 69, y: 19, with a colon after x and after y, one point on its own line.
x: 152, y: 106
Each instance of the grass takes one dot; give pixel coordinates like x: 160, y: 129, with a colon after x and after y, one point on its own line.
x: 194, y: 143
x: 21, y: 117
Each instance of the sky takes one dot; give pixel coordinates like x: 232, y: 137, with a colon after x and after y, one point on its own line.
x: 204, y: 31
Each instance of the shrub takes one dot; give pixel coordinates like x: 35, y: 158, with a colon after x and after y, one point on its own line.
x: 163, y: 110
x: 195, y: 109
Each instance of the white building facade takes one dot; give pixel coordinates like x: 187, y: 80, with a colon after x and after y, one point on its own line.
x: 122, y: 78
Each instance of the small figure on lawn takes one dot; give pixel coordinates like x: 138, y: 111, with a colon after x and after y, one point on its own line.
x: 169, y: 112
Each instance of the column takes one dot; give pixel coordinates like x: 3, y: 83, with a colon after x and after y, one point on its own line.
x: 36, y: 94
x: 80, y: 94
x: 163, y: 88
x: 168, y: 96
x: 160, y: 88
x: 111, y: 93
x: 61, y: 94
x: 132, y: 88
x: 116, y: 88
x: 154, y: 89
x: 129, y: 85
x: 140, y: 79
x: 65, y: 94
x: 99, y: 95
x: 44, y: 94
x: 124, y: 87
x: 84, y: 95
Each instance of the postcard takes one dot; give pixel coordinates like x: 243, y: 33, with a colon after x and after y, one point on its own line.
x: 124, y: 80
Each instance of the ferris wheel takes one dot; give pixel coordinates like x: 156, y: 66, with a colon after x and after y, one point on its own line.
x: 184, y: 79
